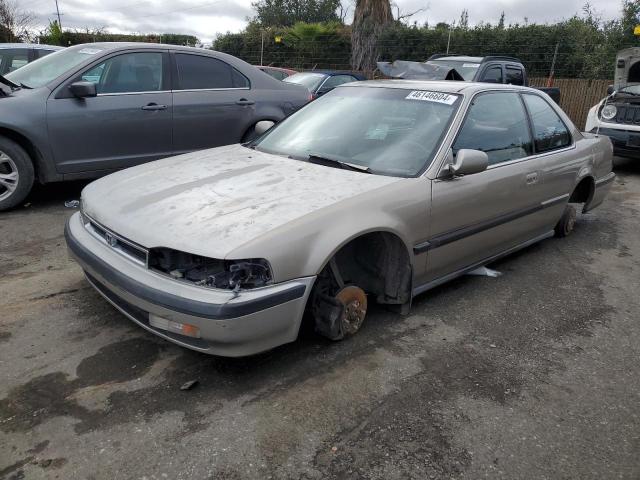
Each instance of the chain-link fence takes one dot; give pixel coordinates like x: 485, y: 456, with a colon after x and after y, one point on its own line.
x: 333, y: 51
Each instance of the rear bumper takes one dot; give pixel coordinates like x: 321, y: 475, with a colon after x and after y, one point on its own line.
x: 253, y: 321
x: 626, y: 143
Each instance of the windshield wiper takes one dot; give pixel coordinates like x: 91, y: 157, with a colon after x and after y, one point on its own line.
x: 332, y: 162
x: 27, y: 87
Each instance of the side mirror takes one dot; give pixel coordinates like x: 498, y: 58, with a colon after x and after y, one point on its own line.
x: 83, y: 89
x: 262, y: 126
x: 609, y: 89
x: 469, y: 162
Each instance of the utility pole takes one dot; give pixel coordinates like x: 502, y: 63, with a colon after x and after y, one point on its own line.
x: 552, y: 72
x: 451, y: 27
x: 261, y: 45
x: 58, y: 12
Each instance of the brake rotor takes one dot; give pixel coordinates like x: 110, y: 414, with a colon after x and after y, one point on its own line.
x: 355, y: 308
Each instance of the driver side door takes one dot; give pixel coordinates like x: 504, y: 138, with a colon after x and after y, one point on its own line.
x: 129, y: 121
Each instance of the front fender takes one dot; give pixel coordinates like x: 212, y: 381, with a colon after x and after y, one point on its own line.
x: 304, y: 246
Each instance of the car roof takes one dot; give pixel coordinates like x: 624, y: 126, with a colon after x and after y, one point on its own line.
x: 279, y: 69
x: 336, y: 72
x: 35, y: 46
x: 460, y: 58
x: 141, y: 45
x: 457, y: 58
x: 448, y: 86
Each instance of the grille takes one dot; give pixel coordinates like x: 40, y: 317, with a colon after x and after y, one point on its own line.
x: 118, y: 243
x: 628, y: 114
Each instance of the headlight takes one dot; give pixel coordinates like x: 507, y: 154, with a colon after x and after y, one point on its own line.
x: 211, y: 272
x: 608, y: 112
x: 83, y: 216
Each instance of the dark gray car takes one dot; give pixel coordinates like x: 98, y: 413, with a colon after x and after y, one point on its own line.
x: 92, y: 109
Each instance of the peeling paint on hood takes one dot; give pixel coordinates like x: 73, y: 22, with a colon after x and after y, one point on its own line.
x: 213, y: 201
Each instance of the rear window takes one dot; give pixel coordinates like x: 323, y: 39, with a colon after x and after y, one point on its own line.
x: 468, y: 70
x: 307, y: 79
x: 549, y: 131
x: 515, y: 76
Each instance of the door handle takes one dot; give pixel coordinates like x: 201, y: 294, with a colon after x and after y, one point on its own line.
x: 532, y: 178
x: 154, y: 106
x: 244, y: 101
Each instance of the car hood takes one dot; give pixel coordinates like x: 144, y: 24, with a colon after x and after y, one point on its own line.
x: 211, y: 202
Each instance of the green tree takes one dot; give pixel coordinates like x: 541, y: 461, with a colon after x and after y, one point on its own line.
x: 53, y: 34
x: 285, y: 13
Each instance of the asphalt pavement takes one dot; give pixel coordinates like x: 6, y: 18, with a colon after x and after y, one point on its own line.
x: 531, y: 375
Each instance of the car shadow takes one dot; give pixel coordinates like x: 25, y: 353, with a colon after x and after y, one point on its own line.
x: 626, y: 165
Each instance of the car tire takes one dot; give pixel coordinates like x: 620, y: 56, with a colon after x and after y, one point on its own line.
x: 565, y: 225
x: 16, y: 174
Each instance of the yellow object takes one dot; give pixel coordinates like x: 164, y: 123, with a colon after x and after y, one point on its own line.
x: 279, y: 38
x: 636, y: 30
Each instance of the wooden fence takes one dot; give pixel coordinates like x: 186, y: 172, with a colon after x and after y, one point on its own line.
x: 577, y: 95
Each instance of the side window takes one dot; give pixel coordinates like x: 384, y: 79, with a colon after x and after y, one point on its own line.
x: 493, y: 75
x: 127, y: 73
x: 18, y: 61
x: 12, y: 59
x: 515, y: 76
x: 336, y: 80
x: 549, y: 131
x: 497, y: 124
x: 41, y: 52
x: 196, y: 72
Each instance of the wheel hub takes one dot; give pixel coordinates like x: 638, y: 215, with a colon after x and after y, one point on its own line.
x: 8, y: 175
x: 355, y: 308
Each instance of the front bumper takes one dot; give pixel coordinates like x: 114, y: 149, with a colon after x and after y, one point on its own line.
x: 251, y: 322
x: 626, y: 143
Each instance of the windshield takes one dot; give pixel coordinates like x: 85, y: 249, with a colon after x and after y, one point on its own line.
x: 390, y: 131
x: 466, y: 69
x: 39, y: 73
x: 309, y: 80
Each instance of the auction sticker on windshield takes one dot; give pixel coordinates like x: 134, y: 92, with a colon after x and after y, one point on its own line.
x: 437, y: 97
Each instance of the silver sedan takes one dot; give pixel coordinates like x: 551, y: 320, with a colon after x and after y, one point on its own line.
x: 376, y: 192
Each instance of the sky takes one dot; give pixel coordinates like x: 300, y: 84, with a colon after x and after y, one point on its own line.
x: 206, y: 19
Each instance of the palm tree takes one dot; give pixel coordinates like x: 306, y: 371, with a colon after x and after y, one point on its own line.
x: 369, y: 19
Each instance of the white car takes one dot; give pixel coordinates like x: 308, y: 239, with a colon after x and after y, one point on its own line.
x: 618, y: 115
